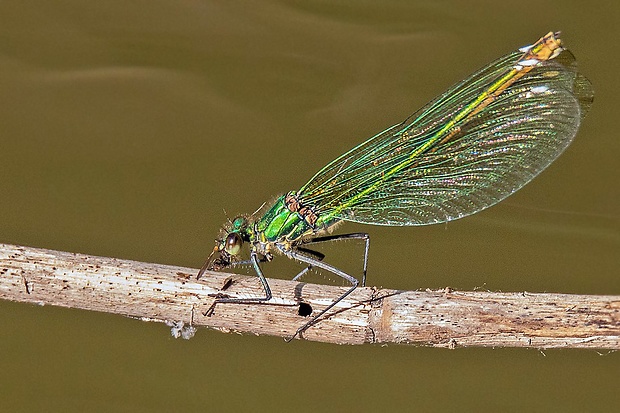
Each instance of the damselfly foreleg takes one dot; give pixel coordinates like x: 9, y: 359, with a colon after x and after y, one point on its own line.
x: 259, y: 273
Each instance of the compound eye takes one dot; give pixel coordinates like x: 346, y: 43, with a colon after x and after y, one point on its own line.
x: 233, y: 243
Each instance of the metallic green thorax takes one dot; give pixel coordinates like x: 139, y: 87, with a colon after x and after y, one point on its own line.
x: 289, y: 220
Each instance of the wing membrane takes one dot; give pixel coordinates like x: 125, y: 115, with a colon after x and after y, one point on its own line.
x: 482, y: 159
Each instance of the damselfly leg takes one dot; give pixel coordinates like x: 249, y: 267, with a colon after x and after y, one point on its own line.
x: 250, y: 300
x: 292, y: 254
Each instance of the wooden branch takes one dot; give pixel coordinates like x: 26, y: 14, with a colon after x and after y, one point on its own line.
x: 446, y: 318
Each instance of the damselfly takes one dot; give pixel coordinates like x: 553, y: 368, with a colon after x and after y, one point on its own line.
x: 471, y: 147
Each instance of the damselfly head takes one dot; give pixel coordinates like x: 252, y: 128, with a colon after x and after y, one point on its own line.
x: 229, y: 244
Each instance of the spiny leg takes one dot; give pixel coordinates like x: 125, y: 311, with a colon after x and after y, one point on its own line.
x: 319, y: 256
x: 316, y: 263
x: 340, y: 237
x: 221, y: 300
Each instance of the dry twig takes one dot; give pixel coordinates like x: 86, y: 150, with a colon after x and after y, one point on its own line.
x: 443, y: 318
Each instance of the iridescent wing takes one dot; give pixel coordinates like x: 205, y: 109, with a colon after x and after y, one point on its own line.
x: 466, y: 150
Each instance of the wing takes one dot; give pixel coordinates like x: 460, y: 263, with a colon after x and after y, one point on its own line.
x: 466, y: 150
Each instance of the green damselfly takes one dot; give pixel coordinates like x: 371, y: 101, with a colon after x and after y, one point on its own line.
x: 473, y: 146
